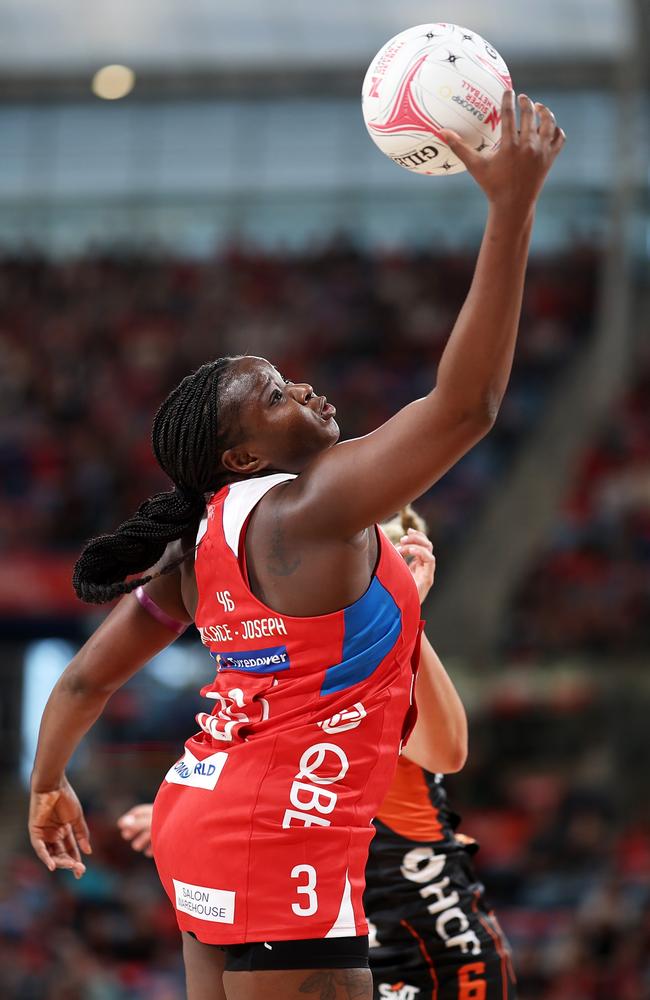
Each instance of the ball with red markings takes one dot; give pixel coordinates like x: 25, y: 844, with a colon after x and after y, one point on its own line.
x: 431, y: 77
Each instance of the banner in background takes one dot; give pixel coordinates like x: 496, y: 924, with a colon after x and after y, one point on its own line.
x: 38, y: 586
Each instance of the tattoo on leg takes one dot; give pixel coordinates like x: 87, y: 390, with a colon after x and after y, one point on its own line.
x: 355, y: 982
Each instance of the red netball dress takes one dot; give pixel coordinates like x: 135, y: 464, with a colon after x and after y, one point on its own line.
x: 261, y: 829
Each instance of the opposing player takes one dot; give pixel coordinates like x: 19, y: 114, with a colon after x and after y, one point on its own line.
x: 431, y: 930
x: 261, y: 831
x: 433, y: 934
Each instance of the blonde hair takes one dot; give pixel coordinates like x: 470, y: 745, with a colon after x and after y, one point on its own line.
x: 405, y: 518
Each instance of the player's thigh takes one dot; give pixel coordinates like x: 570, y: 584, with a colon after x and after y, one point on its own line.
x: 299, y: 984
x: 203, y: 970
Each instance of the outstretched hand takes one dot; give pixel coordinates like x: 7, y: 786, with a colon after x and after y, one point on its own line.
x: 57, y: 829
x: 135, y: 826
x: 512, y: 175
x: 418, y: 551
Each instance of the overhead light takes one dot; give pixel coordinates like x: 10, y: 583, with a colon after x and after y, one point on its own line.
x: 112, y: 82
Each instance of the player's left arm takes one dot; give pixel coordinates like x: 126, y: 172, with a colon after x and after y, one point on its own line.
x: 127, y: 639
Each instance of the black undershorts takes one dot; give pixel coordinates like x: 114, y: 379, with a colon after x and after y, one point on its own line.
x: 314, y: 953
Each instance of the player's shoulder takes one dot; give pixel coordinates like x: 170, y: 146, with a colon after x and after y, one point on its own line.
x: 278, y: 508
x: 302, y: 506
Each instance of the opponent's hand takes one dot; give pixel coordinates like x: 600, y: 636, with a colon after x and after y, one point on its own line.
x: 135, y: 826
x: 418, y: 551
x: 512, y: 175
x: 57, y: 829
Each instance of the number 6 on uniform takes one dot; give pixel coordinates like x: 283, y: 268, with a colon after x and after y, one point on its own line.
x: 308, y: 890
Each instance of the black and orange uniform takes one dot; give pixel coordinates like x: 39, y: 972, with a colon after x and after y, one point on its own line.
x: 432, y: 935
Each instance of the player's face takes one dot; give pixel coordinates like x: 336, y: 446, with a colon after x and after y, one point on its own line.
x: 284, y: 424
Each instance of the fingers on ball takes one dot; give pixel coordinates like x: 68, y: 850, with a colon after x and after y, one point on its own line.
x: 508, y: 117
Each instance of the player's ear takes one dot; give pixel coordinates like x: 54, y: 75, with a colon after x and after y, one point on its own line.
x: 243, y: 462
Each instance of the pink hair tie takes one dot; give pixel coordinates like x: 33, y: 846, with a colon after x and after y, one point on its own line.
x: 161, y: 616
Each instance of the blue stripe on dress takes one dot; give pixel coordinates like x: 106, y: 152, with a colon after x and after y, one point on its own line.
x: 372, y: 626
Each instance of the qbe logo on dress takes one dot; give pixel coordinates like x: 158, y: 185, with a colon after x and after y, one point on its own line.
x: 203, y: 903
x: 256, y: 661
x: 195, y: 773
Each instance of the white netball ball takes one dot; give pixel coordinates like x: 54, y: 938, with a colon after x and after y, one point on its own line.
x: 431, y: 77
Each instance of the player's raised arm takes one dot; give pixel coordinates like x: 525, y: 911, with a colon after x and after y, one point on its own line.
x: 365, y: 480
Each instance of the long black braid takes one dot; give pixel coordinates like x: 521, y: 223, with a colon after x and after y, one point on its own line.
x: 188, y: 439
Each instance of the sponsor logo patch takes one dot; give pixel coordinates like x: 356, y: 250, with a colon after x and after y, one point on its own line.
x: 398, y: 991
x: 203, y: 903
x: 191, y: 771
x: 255, y: 661
x: 347, y: 718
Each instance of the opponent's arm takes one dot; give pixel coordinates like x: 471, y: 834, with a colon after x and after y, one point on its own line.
x: 122, y: 644
x: 358, y: 482
x: 439, y: 739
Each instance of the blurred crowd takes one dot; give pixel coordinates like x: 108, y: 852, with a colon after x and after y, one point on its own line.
x: 552, y: 794
x: 110, y: 936
x: 591, y: 590
x: 90, y: 347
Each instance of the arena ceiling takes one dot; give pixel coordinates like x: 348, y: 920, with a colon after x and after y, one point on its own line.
x: 68, y: 36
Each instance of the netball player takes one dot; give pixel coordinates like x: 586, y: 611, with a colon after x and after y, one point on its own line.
x: 261, y: 830
x: 432, y: 933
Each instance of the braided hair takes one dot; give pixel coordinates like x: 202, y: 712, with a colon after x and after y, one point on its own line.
x: 188, y: 439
